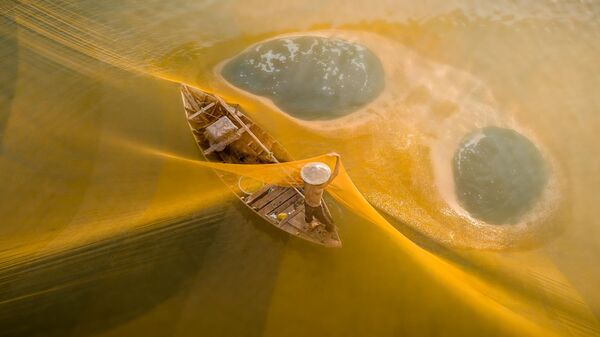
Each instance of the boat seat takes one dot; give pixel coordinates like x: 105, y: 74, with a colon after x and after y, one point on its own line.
x: 201, y: 111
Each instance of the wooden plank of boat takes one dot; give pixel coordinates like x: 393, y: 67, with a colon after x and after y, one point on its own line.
x: 282, y: 206
x: 275, y: 192
x: 258, y: 194
x: 289, y: 205
x: 285, y: 196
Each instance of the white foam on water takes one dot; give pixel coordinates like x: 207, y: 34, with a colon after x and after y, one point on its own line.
x: 267, y: 61
x: 292, y: 48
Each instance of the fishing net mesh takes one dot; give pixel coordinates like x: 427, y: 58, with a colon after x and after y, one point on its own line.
x: 91, y: 140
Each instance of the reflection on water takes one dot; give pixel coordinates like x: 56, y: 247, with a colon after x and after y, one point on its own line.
x: 309, y: 77
x: 499, y: 175
x: 98, y: 238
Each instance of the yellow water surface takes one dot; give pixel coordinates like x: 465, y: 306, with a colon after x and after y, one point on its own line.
x: 110, y: 227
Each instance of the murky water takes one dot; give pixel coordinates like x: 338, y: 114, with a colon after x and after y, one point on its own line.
x: 499, y: 175
x: 309, y: 77
x: 101, y: 237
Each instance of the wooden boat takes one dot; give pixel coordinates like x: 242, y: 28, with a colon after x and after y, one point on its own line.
x: 226, y: 135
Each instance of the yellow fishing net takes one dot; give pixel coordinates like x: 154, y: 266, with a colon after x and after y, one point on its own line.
x: 469, y: 288
x: 111, y: 225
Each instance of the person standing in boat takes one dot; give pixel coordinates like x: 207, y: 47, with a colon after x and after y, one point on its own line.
x: 316, y: 177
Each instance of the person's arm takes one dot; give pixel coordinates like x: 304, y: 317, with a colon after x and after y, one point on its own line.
x: 336, y: 169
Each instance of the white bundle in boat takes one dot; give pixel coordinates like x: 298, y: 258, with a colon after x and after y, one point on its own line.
x: 221, y: 133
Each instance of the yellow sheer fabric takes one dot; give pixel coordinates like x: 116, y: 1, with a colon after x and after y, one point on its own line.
x: 471, y: 289
x: 94, y: 146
